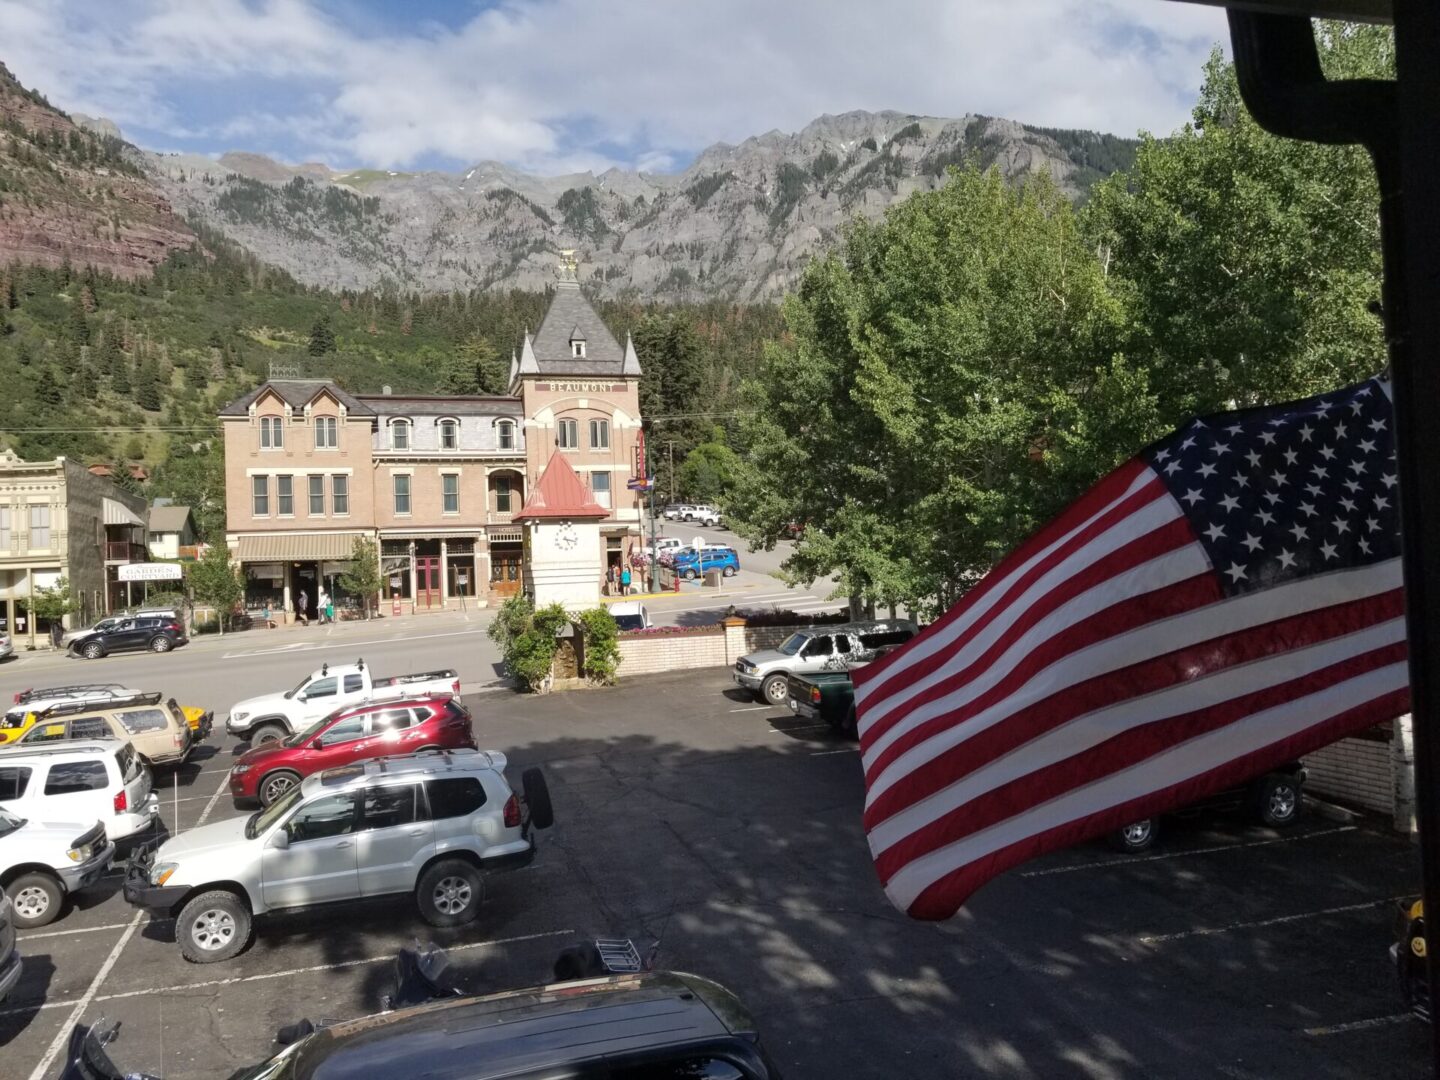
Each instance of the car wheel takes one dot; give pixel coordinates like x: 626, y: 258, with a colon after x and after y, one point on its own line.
x: 161, y: 643
x: 275, y: 785
x: 266, y: 734
x: 537, y: 798
x: 689, y: 575
x: 214, y: 926
x: 775, y: 690
x: 449, y: 893
x: 851, y: 727
x: 93, y: 650
x: 729, y: 571
x: 1278, y: 800
x: 37, y: 899
x: 1137, y: 836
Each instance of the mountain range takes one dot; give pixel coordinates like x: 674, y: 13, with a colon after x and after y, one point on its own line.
x: 738, y: 224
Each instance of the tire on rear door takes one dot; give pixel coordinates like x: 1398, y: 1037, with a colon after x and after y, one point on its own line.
x: 449, y: 892
x: 537, y: 798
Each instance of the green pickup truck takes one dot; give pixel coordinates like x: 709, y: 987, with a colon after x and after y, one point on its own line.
x: 827, y: 696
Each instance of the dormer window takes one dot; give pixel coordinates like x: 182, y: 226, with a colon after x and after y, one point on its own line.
x: 271, y: 433
x: 505, y: 431
x: 577, y: 348
x: 400, y: 435
x: 449, y: 435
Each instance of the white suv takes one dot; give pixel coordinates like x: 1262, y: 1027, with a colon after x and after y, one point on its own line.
x: 430, y: 824
x: 87, y: 780
x: 42, y: 862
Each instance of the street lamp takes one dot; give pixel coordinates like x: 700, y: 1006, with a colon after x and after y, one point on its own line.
x: 412, y: 577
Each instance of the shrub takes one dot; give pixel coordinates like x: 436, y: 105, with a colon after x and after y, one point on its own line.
x: 602, y: 649
x: 528, y: 640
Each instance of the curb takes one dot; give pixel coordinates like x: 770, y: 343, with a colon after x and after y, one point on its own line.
x: 1332, y: 811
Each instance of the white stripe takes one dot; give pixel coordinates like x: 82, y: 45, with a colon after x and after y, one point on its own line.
x: 941, y: 639
x: 1158, y: 573
x: 1085, y: 732
x: 1174, y: 766
x: 1121, y: 651
x: 1144, y: 521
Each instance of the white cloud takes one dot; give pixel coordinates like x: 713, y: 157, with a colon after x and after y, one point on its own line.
x: 562, y: 84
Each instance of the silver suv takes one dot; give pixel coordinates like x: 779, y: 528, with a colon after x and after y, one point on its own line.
x: 429, y: 824
x: 765, y: 673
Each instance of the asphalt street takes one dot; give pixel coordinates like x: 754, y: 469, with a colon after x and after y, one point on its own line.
x: 730, y: 832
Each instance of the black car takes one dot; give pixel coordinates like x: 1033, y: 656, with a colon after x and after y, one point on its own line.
x: 642, y: 1026
x: 1274, y: 799
x: 158, y: 633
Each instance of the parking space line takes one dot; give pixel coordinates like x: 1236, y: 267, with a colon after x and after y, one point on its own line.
x: 77, y: 930
x: 1207, y: 931
x: 204, y: 814
x: 1361, y: 1025
x: 63, y: 1036
x: 843, y: 750
x: 753, y: 708
x: 1130, y: 860
x: 236, y: 980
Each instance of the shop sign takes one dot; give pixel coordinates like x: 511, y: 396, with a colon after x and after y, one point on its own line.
x: 154, y: 571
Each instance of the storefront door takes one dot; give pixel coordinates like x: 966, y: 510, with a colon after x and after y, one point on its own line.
x: 504, y: 570
x: 427, y: 581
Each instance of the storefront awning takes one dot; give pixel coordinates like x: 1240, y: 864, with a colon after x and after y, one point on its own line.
x: 117, y: 513
x: 306, y: 548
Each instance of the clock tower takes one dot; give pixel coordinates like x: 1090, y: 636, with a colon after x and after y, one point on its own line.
x: 562, y: 539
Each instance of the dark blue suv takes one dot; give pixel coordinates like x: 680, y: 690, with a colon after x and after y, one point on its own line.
x: 690, y: 564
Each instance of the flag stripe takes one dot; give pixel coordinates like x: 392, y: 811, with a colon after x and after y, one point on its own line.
x: 942, y: 896
x: 1109, y: 654
x: 1133, y: 484
x: 1297, y: 723
x: 1124, y: 735
x: 1083, y: 572
x: 1146, y: 677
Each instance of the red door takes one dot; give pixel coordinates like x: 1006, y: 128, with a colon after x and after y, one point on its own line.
x: 339, y: 744
x: 427, y: 581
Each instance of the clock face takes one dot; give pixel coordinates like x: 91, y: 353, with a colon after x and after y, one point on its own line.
x: 566, y: 538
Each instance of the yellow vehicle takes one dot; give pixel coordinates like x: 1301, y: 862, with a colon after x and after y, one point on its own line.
x: 200, y: 720
x: 20, y: 717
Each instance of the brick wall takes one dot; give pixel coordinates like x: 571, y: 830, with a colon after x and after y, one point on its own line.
x: 1358, y: 772
x: 647, y: 654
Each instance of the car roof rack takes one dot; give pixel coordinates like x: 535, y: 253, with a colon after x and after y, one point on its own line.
x: 68, y: 708
x: 62, y: 691
x: 89, y: 745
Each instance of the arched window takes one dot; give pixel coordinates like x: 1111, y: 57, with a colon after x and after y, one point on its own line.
x: 272, y: 434
x: 599, y: 434
x: 505, y: 431
x: 449, y: 434
x: 327, y: 433
x: 400, y: 435
x: 567, y: 434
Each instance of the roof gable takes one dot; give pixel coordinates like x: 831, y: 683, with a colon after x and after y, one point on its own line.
x: 571, y: 318
x: 297, y: 393
x: 560, y: 494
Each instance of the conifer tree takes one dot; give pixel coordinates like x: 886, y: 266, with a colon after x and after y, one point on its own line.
x: 79, y: 328
x: 322, y: 338
x: 120, y: 375
x: 147, y: 386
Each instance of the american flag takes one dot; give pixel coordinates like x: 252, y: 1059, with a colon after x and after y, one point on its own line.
x: 1221, y: 604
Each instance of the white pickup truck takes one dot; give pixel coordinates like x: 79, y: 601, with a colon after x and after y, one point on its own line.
x: 269, y: 717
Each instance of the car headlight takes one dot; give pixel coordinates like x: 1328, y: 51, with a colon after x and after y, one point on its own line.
x: 239, y: 716
x: 160, y: 872
x: 81, y: 853
x: 236, y: 770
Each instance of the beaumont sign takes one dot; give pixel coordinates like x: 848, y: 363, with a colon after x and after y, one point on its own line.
x: 149, y: 571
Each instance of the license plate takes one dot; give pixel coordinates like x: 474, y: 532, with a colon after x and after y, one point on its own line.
x: 794, y: 705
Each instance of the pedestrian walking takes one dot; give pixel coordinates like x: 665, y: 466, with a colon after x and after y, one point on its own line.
x: 625, y: 582
x: 322, y: 604
x: 302, y: 604
x: 330, y: 609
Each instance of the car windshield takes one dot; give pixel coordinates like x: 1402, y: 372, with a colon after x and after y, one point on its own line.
x: 298, y: 687
x: 793, y: 644
x: 9, y: 822
x: 309, y: 733
x: 629, y: 622
x: 261, y: 821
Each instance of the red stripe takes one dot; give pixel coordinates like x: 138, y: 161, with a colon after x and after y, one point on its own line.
x: 1108, y: 489
x: 1115, y: 754
x: 1128, y: 614
x: 1144, y: 677
x: 943, y: 897
x: 1117, y: 562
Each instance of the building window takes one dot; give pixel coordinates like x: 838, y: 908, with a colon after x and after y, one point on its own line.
x: 569, y: 435
x: 600, y: 488
x: 272, y: 435
x: 502, y: 494
x: 5, y: 529
x: 340, y: 495
x: 260, y: 496
x: 327, y: 431
x: 577, y: 348
x: 450, y: 492
x: 599, y: 434
x: 449, y: 435
x: 400, y: 435
x: 402, y: 493
x: 507, y: 434
x: 39, y: 527
x: 285, y: 496
x: 317, y: 496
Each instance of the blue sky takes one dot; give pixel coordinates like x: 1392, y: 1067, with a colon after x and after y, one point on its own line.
x: 559, y: 85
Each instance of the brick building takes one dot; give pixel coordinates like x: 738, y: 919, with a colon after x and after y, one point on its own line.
x: 436, y: 481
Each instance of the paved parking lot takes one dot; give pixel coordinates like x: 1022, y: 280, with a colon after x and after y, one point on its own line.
x: 732, y: 833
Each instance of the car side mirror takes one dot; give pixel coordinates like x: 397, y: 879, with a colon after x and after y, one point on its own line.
x: 318, y: 744
x: 280, y: 840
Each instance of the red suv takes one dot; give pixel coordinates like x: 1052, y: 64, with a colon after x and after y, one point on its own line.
x: 354, y: 733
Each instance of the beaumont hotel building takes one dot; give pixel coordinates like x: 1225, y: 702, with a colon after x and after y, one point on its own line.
x: 434, y: 481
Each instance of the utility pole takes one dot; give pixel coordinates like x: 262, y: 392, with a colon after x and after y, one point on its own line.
x: 671, y: 444
x: 654, y: 564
